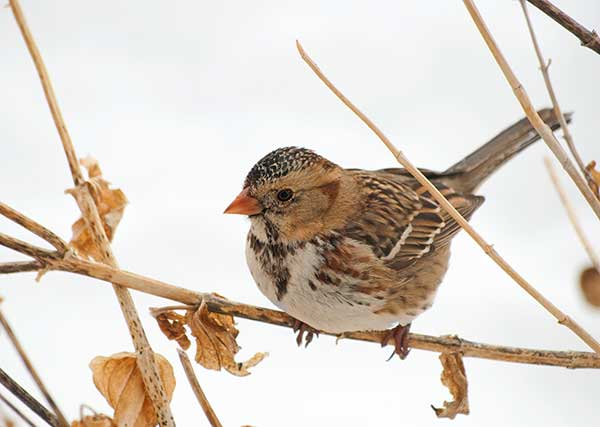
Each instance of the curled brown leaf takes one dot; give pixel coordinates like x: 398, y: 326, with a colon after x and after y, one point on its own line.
x: 216, y: 344
x: 455, y: 378
x: 111, y: 205
x: 119, y: 380
x: 589, y: 280
x: 172, y: 324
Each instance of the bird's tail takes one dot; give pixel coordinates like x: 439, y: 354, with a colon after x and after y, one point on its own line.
x: 473, y: 170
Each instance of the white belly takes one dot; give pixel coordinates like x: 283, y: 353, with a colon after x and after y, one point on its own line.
x: 325, y: 307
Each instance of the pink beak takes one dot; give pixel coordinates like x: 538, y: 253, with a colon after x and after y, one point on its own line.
x: 244, y: 204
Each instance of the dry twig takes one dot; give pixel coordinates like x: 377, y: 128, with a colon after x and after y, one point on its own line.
x: 27, y: 399
x: 588, y: 38
x: 15, y: 341
x: 16, y: 411
x: 562, y: 318
x: 20, y: 266
x: 571, y: 214
x: 544, y: 68
x: 444, y: 344
x: 85, y: 201
x: 539, y: 125
x: 202, y: 400
x: 36, y: 228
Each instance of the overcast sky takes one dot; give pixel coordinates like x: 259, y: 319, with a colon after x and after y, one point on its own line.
x: 178, y: 99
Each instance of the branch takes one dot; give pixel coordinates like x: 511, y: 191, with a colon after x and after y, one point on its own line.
x: 202, y: 400
x: 16, y: 411
x: 562, y: 318
x: 13, y: 338
x: 20, y: 267
x: 539, y: 125
x: 25, y: 248
x: 27, y: 399
x: 544, y: 67
x: 34, y: 227
x: 588, y: 38
x: 571, y: 214
x: 146, y: 361
x: 444, y: 344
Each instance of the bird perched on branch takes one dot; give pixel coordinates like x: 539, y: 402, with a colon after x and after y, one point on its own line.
x: 345, y: 250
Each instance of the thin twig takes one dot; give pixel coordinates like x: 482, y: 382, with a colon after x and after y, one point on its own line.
x: 17, y: 411
x: 27, y: 399
x: 202, y: 400
x: 588, y: 38
x: 20, y: 266
x: 25, y: 248
x: 571, y: 214
x: 544, y: 68
x: 487, y: 248
x: 539, y: 125
x: 75, y: 264
x: 15, y: 341
x: 146, y: 361
x: 34, y: 227
x: 274, y: 317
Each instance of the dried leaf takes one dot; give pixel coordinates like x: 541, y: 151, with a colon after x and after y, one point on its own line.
x: 97, y: 420
x: 173, y: 326
x: 216, y: 346
x: 595, y: 175
x: 110, y: 203
x: 242, y: 369
x: 455, y: 378
x: 119, y: 380
x: 590, y: 285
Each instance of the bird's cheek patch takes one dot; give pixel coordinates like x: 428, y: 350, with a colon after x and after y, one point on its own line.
x: 331, y: 190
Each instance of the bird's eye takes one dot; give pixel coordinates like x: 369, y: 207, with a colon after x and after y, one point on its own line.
x: 285, y: 195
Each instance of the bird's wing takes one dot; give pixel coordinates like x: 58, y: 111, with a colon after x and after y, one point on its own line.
x: 400, y: 220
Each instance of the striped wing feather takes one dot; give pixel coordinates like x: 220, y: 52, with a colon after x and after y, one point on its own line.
x: 400, y: 220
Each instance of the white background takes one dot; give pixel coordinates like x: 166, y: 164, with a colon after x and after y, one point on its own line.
x: 178, y: 99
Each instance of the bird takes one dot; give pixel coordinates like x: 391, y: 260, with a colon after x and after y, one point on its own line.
x: 344, y: 250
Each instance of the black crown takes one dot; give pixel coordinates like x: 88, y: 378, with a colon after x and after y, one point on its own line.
x: 281, y: 162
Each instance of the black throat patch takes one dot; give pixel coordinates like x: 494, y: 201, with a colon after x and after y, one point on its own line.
x: 272, y: 256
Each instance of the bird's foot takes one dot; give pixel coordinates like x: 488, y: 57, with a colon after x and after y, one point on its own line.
x: 302, y: 328
x: 400, y: 336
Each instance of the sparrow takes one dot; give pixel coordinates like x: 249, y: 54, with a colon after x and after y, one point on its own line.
x: 344, y: 250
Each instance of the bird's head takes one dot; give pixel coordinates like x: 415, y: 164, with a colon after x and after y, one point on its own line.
x: 293, y: 189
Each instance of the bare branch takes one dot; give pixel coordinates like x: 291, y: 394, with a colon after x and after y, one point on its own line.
x: 74, y: 264
x: 20, y: 266
x: 539, y: 125
x: 571, y: 214
x: 48, y: 91
x: 34, y: 227
x: 25, y: 248
x: 588, y: 38
x: 423, y: 342
x: 544, y: 68
x: 16, y: 411
x: 85, y: 201
x: 38, y: 380
x: 27, y: 399
x: 202, y: 400
x: 487, y: 248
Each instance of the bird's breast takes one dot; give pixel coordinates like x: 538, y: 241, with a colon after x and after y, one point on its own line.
x: 292, y: 276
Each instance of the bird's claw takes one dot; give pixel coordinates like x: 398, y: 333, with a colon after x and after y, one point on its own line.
x: 302, y: 328
x: 400, y: 336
